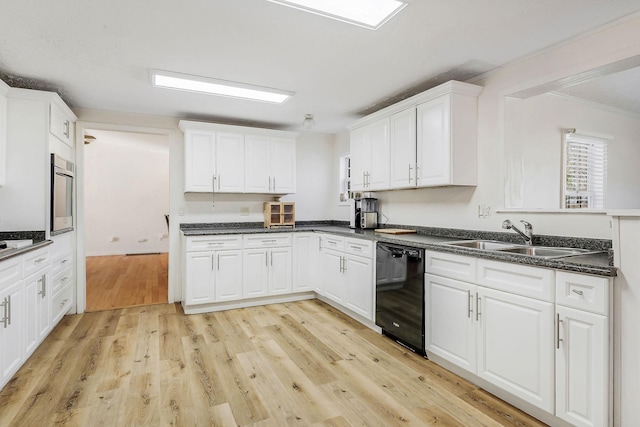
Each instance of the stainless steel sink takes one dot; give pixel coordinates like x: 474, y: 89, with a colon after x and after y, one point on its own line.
x: 547, y: 252
x: 487, y: 245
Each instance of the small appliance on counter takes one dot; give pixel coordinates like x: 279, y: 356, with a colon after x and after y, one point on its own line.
x: 363, y: 213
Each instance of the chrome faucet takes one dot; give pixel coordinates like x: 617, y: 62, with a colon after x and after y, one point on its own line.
x: 527, y: 235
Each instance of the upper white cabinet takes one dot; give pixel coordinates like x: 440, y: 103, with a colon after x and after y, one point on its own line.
x: 430, y: 139
x: 370, y: 156
x: 30, y: 142
x: 61, y: 125
x: 3, y: 132
x: 233, y: 159
x: 270, y: 164
x: 214, y: 161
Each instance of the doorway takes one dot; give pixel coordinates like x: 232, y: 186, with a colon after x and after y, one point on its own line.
x: 126, y: 223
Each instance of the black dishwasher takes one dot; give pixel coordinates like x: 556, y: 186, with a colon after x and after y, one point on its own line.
x: 400, y: 294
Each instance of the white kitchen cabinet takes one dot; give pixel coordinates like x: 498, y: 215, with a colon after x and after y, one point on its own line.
x: 61, y: 125
x: 3, y: 132
x: 214, y: 161
x: 199, y: 278
x: 370, y: 149
x: 303, y: 261
x: 26, y: 196
x: 450, y: 324
x: 515, y: 345
x: 335, y: 280
x: 583, y: 349
x: 270, y: 164
x: 228, y: 275
x: 403, y: 149
x: 12, y: 314
x: 268, y: 265
x: 360, y: 287
x: 38, y: 301
x: 447, y: 140
x: 582, y: 361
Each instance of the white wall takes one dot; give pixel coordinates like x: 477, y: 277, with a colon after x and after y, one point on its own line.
x: 533, y: 133
x: 126, y: 187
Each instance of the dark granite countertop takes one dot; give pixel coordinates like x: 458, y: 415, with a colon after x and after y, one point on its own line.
x: 435, y: 239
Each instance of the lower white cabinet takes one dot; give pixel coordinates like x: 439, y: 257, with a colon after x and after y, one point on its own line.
x: 267, y: 272
x: 307, y: 262
x: 12, y: 315
x: 38, y: 297
x: 213, y: 276
x: 539, y: 334
x: 348, y: 274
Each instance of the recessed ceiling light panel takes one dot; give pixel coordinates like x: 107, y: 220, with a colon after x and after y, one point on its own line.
x: 370, y: 14
x: 178, y: 81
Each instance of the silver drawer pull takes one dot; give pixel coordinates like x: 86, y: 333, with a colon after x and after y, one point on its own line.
x: 64, y: 261
x: 575, y: 291
x: 39, y: 260
x: 358, y: 248
x: 64, y: 279
x: 215, y: 243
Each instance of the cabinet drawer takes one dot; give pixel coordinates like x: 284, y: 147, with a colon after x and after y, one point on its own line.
x: 270, y: 240
x: 204, y: 243
x: 34, y: 261
x: 517, y: 279
x: 330, y: 241
x: 359, y: 247
x: 61, y: 303
x: 10, y: 271
x: 590, y: 293
x: 454, y: 266
x: 61, y: 262
x: 61, y: 280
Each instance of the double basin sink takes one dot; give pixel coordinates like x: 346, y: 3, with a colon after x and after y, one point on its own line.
x: 545, y: 252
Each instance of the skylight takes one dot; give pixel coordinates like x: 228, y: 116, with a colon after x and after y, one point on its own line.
x: 370, y: 14
x: 171, y: 80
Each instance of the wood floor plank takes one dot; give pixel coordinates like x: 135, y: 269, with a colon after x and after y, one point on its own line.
x: 293, y: 364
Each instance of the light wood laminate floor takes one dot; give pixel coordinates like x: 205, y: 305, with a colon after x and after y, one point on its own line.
x: 298, y: 364
x: 118, y: 281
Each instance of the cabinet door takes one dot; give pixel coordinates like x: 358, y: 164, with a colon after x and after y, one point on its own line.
x: 60, y: 126
x: 403, y: 149
x: 12, y: 334
x: 257, y: 166
x: 582, y: 360
x: 255, y: 265
x: 380, y: 149
x: 302, y: 262
x: 199, y: 160
x: 229, y: 162
x: 515, y: 345
x: 450, y: 321
x: 360, y: 158
x: 434, y: 142
x: 280, y: 271
x: 316, y: 270
x: 228, y: 275
x: 334, y: 278
x: 283, y: 165
x: 38, y: 305
x: 360, y: 285
x: 199, y: 278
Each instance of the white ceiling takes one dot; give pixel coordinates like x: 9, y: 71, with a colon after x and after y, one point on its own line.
x: 97, y: 54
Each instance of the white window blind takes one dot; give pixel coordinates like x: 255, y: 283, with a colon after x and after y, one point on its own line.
x: 585, y: 172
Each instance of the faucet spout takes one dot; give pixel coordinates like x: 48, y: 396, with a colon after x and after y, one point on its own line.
x: 527, y: 234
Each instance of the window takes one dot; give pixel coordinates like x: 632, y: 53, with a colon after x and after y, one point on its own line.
x: 585, y: 171
x: 345, y: 178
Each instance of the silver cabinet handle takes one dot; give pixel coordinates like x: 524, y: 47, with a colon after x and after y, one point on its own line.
x: 43, y: 281
x: 64, y: 261
x: 5, y: 317
x: 39, y: 260
x: 266, y: 259
x: 9, y: 309
x: 274, y: 183
x: 319, y: 243
x: 469, y: 304
x: 558, y: 321
x: 576, y: 291
x: 344, y: 269
x: 66, y: 128
x: 417, y: 175
x: 215, y: 243
x: 410, y: 169
x: 271, y: 258
x: 218, y: 262
x: 212, y: 266
x: 219, y: 182
x: 478, y: 300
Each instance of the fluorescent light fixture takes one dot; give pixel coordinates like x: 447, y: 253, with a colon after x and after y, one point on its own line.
x: 370, y: 14
x: 171, y: 80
